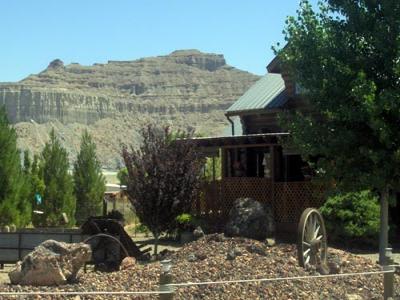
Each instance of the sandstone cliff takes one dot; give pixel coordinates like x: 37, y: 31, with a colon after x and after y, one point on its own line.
x: 185, y: 88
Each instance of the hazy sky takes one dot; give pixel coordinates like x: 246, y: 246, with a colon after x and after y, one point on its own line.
x: 34, y: 32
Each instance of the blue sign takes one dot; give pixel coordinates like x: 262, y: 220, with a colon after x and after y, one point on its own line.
x: 38, y: 199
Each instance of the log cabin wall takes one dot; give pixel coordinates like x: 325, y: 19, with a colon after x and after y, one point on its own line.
x: 260, y: 123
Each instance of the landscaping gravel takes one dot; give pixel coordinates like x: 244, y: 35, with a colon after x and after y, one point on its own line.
x: 216, y: 258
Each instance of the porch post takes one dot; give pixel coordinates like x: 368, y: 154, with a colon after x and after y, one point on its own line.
x: 272, y: 166
x: 223, y: 163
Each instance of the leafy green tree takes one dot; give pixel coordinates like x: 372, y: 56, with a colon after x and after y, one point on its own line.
x: 89, y: 182
x: 345, y: 59
x: 14, y: 205
x: 58, y: 195
x: 163, y: 177
x: 122, y: 176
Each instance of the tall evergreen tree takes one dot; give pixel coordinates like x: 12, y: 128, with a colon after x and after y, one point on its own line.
x: 14, y: 205
x: 89, y: 182
x: 27, y: 163
x: 58, y: 194
x: 37, y: 188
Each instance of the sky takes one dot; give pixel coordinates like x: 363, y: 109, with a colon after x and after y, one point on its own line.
x: 35, y: 32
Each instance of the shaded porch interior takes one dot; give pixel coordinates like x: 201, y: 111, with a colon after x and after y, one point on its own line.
x: 256, y: 166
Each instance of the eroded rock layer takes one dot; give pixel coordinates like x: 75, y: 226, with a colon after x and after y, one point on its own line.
x: 185, y: 88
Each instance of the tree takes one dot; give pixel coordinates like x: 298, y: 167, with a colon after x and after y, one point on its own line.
x: 37, y: 188
x: 163, y: 177
x: 89, y: 182
x: 58, y: 195
x: 346, y: 61
x: 122, y: 176
x: 27, y: 163
x: 14, y: 205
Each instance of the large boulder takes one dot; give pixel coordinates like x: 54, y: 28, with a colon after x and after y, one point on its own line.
x: 51, y: 263
x: 251, y: 219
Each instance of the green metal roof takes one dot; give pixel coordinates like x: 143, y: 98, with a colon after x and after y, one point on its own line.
x: 268, y: 92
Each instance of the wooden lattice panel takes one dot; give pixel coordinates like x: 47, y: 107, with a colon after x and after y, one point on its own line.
x: 291, y: 198
x: 288, y: 199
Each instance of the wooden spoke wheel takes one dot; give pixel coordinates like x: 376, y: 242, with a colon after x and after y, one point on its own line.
x: 312, y: 241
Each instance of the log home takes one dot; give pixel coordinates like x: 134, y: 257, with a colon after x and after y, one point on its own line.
x: 253, y: 161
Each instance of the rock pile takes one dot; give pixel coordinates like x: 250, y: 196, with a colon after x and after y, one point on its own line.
x: 51, y: 263
x: 211, y: 263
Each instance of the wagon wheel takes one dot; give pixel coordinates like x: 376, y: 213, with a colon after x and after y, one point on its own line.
x: 312, y: 241
x: 109, y: 260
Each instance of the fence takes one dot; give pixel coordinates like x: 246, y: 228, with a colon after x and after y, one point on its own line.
x: 288, y: 199
x: 167, y: 287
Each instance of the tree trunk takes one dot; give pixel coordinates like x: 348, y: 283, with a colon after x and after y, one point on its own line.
x: 155, y: 244
x: 384, y: 227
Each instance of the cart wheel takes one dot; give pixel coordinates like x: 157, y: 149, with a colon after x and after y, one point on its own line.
x: 106, y: 254
x: 312, y: 240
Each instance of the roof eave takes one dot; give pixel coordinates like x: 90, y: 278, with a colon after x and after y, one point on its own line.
x: 252, y: 111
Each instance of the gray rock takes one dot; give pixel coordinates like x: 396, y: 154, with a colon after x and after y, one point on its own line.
x: 334, y: 268
x: 251, y: 219
x: 198, y: 233
x: 334, y: 263
x: 56, y: 64
x: 230, y: 255
x: 201, y: 255
x: 196, y: 256
x: 192, y: 257
x: 233, y: 253
x: 51, y: 263
x: 217, y: 237
x: 270, y: 242
x: 256, y: 249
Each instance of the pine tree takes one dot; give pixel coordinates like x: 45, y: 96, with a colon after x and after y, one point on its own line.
x: 58, y: 194
x: 27, y: 163
x: 37, y: 188
x: 14, y: 205
x: 89, y: 182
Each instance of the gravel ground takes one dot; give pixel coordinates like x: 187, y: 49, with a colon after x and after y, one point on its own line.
x: 206, y: 260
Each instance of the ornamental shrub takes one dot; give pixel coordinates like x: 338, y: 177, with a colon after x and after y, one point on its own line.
x: 164, y: 176
x: 352, y: 217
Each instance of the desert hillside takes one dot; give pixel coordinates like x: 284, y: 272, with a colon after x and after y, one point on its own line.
x: 186, y: 88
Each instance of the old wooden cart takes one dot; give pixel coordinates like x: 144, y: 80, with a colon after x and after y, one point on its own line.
x: 107, y: 238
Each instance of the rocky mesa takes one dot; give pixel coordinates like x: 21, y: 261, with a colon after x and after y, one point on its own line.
x: 186, y: 88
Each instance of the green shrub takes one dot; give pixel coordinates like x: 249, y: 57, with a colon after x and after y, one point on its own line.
x: 352, y: 217
x: 186, y: 222
x: 141, y: 228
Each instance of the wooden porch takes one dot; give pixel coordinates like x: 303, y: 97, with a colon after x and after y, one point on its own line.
x: 288, y: 199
